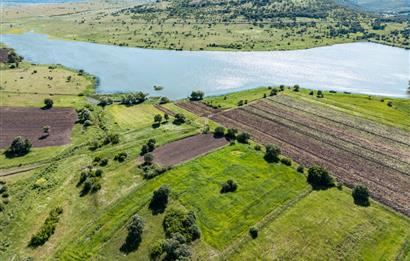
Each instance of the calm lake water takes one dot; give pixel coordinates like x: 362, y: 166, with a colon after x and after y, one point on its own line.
x: 357, y: 67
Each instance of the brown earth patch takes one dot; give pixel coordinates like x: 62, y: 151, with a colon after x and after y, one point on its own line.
x: 185, y: 149
x: 198, y: 108
x: 355, y: 150
x: 29, y: 123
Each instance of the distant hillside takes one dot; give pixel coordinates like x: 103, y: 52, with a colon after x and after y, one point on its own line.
x: 382, y: 5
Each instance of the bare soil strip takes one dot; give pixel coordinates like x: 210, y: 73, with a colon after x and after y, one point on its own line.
x: 198, y: 108
x: 355, y: 150
x: 29, y: 123
x: 185, y: 149
x: 164, y: 110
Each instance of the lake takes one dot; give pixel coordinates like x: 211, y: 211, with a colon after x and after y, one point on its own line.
x: 355, y: 67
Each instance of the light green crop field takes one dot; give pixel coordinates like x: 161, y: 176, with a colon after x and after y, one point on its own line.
x: 133, y: 116
x: 370, y: 107
x: 326, y: 225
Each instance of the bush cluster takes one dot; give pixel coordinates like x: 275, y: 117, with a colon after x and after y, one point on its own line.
x: 134, y: 98
x: 179, y: 119
x: 197, y: 95
x: 47, y: 229
x: 177, y: 221
x: 121, y: 157
x: 90, y: 180
x: 243, y: 137
x: 286, y: 161
x: 148, y: 147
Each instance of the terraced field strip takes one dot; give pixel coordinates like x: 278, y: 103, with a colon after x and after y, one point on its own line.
x: 198, y: 108
x: 164, y: 110
x: 347, y: 152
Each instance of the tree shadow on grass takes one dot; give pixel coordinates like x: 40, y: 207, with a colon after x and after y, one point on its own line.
x: 131, y: 244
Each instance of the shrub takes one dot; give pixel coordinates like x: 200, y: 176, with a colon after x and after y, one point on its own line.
x: 361, y: 195
x: 121, y: 157
x: 282, y: 88
x: 98, y: 172
x: 240, y: 103
x: 390, y: 103
x: 229, y: 186
x: 104, y: 162
x: 2, y: 207
x: 231, y: 134
x: 311, y: 93
x: 151, y: 145
x: 320, y: 94
x: 104, y: 101
x: 219, y: 132
x: 84, y: 115
x: 158, y: 119
x: 47, y: 229
x: 48, y: 103
x: 253, y: 232
x: 159, y: 200
x: 148, y: 159
x: 296, y: 88
x: 319, y: 178
x: 197, y: 95
x: 179, y: 119
x: 243, y: 137
x: 163, y: 100
x: 135, y: 229
x: 157, y: 249
x: 286, y: 161
x: 258, y: 147
x: 177, y: 249
x: 300, y: 169
x: 273, y: 92
x: 134, y: 98
x: 272, y: 153
x: 166, y: 117
x: 19, y: 147
x: 179, y: 222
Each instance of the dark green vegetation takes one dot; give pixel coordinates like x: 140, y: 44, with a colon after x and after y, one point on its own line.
x: 47, y: 229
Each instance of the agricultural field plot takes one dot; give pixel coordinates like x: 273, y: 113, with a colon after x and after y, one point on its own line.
x: 326, y: 225
x: 42, y: 79
x: 133, y: 117
x: 188, y: 148
x: 355, y: 150
x: 29, y: 123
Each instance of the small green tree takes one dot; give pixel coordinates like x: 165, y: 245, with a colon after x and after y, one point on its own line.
x: 158, y: 119
x: 159, y: 200
x: 197, y: 95
x: 361, y: 195
x: 48, y: 103
x: 219, y: 132
x: 148, y: 159
x: 243, y: 137
x: 319, y: 178
x: 135, y: 229
x: 19, y: 147
x: 272, y: 153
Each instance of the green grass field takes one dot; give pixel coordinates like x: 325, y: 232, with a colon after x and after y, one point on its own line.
x: 326, y: 225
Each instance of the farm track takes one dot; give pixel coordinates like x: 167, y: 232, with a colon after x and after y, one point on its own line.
x: 353, y: 152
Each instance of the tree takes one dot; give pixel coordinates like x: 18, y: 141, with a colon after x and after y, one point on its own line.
x: 134, y: 237
x: 361, y: 195
x: 158, y: 119
x: 19, y: 147
x: 163, y: 100
x: 159, y: 200
x: 196, y: 96
x: 229, y: 186
x: 272, y: 153
x: 148, y: 159
x: 231, y: 134
x: 219, y: 132
x: 48, y: 103
x: 179, y: 118
x: 151, y: 145
x: 253, y: 232
x: 296, y: 88
x: 319, y: 178
x: 166, y: 117
x: 243, y: 137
